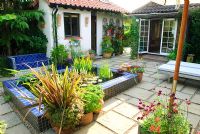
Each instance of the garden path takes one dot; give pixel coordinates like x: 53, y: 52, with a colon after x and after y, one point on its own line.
x: 119, y: 115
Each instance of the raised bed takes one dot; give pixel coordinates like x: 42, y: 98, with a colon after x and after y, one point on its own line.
x: 35, y: 117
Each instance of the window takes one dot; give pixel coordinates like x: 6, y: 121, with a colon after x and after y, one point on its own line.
x: 144, y: 34
x: 71, y: 24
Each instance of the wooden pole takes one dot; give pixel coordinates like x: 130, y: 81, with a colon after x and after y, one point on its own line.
x: 179, y: 51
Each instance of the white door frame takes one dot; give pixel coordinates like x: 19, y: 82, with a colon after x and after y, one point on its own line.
x: 176, y: 25
x: 140, y: 35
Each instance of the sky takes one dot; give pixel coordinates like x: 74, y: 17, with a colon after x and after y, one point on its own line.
x: 131, y: 5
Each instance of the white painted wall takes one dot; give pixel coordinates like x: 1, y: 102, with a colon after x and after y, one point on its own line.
x: 100, y: 17
x: 48, y: 30
x: 85, y: 30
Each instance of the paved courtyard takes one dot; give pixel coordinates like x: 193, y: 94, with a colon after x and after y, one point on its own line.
x: 119, y: 115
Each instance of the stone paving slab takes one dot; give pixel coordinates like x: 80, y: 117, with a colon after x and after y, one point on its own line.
x: 166, y: 84
x: 196, y: 98
x: 139, y: 93
x: 183, y: 96
x: 11, y: 119
x: 160, y: 76
x: 5, y: 108
x: 133, y: 101
x: 146, y: 85
x: 116, y: 122
x: 133, y: 130
x: 127, y: 110
x: 148, y: 79
x: 110, y: 104
x: 189, y: 90
x: 19, y: 129
x: 2, y: 101
x: 122, y: 97
x: 94, y: 128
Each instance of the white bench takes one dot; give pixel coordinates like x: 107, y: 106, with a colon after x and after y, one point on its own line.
x: 187, y: 70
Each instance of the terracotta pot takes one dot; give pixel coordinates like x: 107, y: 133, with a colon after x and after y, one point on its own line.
x: 99, y: 110
x: 107, y: 55
x: 87, y: 119
x: 67, y: 130
x: 140, y: 75
x: 92, y: 56
x: 190, y: 58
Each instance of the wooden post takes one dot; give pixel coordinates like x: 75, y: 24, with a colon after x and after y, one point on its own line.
x: 179, y: 51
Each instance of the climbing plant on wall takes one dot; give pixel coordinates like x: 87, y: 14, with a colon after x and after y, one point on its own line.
x: 134, y: 38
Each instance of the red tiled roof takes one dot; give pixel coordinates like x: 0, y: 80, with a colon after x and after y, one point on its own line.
x: 90, y: 4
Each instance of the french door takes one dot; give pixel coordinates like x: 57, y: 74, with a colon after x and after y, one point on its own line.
x: 144, y: 35
x: 168, y: 36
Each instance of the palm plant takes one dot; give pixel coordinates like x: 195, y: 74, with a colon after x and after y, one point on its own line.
x: 60, y: 95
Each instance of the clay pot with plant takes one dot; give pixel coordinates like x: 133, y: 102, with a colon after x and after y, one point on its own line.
x: 139, y: 71
x: 92, y: 97
x: 107, y: 47
x: 92, y: 54
x: 62, y: 102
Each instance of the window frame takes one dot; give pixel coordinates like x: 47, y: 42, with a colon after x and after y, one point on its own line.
x: 71, y: 26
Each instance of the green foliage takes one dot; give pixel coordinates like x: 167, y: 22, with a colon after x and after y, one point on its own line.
x: 7, y: 17
x: 4, y: 64
x: 76, y: 52
x: 133, y: 38
x: 7, y: 98
x: 137, y: 70
x: 59, y: 55
x: 177, y: 124
x: 194, y: 34
x: 92, y: 52
x: 91, y: 97
x: 3, y: 126
x: 20, y: 30
x: 117, y: 46
x: 82, y: 64
x: 60, y: 94
x: 105, y: 72
x: 107, y: 45
x: 27, y: 78
x: 172, y: 55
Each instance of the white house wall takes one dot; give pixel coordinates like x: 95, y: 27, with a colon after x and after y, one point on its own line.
x: 85, y: 30
x: 48, y: 30
x: 100, y: 17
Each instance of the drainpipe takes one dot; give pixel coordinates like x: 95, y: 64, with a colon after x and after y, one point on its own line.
x: 54, y: 13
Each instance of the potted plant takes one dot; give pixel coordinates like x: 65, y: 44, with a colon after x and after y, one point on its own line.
x: 59, y: 56
x: 62, y: 101
x: 107, y: 52
x: 92, y: 97
x: 107, y: 47
x: 139, y: 71
x: 92, y: 54
x: 158, y: 119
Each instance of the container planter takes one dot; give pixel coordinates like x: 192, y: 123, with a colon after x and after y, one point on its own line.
x: 140, y: 75
x: 86, y: 119
x: 190, y: 58
x: 92, y: 56
x: 99, y: 110
x: 66, y: 130
x: 107, y: 55
x: 140, y: 128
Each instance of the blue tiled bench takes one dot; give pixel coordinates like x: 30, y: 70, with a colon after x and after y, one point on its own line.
x: 20, y: 62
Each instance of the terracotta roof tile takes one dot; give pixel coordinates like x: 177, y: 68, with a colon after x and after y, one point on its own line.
x: 90, y: 4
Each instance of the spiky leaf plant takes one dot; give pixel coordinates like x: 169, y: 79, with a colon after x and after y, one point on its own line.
x: 60, y: 94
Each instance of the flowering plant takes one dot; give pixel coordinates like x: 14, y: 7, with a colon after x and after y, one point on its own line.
x: 158, y: 119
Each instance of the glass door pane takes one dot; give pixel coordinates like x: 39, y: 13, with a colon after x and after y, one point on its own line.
x: 168, y: 35
x: 144, y: 35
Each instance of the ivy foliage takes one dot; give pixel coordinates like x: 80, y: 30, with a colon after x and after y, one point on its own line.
x: 134, y: 38
x: 193, y: 37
